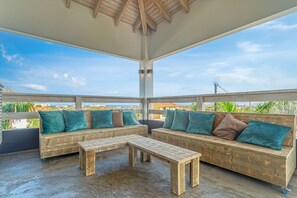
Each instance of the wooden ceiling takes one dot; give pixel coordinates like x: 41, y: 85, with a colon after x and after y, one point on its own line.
x: 140, y: 14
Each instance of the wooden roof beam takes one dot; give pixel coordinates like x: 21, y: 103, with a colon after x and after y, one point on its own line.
x: 151, y: 23
x: 68, y: 2
x: 96, y: 8
x: 143, y: 16
x: 137, y: 24
x: 185, y: 5
x: 120, y: 14
x: 163, y: 10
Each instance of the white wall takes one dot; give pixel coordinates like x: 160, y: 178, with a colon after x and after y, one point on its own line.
x: 212, y: 19
x: 76, y: 26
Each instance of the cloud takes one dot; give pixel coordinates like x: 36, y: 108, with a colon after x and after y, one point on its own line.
x: 240, y: 75
x: 175, y: 74
x: 35, y: 87
x: 67, y: 78
x: 112, y: 92
x: 249, y: 47
x: 10, y: 58
x: 276, y: 25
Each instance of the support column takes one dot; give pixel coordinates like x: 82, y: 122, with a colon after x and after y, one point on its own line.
x: 145, y: 85
x: 145, y: 77
x: 1, y: 87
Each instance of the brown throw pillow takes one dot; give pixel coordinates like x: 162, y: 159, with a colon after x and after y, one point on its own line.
x: 117, y: 119
x: 88, y: 117
x: 229, y: 128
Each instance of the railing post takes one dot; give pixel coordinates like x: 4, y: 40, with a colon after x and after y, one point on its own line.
x: 78, y: 103
x: 1, y: 87
x: 200, y: 104
x: 144, y: 107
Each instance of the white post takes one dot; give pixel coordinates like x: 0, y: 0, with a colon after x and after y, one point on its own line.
x: 145, y: 85
x: 1, y: 87
x: 145, y: 78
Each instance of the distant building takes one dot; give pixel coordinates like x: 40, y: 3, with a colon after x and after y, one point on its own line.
x: 163, y: 106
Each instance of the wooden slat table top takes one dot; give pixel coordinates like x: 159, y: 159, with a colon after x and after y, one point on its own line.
x: 107, y: 142
x: 163, y: 150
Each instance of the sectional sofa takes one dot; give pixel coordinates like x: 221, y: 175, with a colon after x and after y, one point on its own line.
x: 61, y: 143
x: 273, y: 166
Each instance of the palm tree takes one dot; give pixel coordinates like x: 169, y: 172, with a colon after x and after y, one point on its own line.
x: 15, y: 107
x: 194, y: 107
x: 265, y: 107
x: 227, y: 106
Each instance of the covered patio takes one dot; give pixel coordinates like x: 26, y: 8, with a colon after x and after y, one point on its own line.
x: 143, y: 31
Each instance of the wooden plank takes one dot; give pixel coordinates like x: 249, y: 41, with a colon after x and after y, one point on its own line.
x: 68, y: 2
x: 143, y: 17
x: 255, y: 96
x: 194, y: 172
x: 96, y: 8
x: 132, y: 156
x: 20, y: 115
x: 178, y: 178
x: 185, y: 5
x: 33, y: 115
x: 164, y: 151
x: 78, y: 103
x: 81, y: 158
x: 136, y: 24
x: 111, y: 99
x: 120, y: 14
x: 145, y: 157
x: 163, y: 10
x: 158, y: 112
x: 200, y: 103
x: 24, y: 97
x: 151, y: 23
x: 90, y: 162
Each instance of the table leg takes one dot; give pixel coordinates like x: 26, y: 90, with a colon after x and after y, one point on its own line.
x: 194, y: 172
x: 90, y: 162
x: 178, y: 178
x: 81, y: 158
x: 132, y: 156
x: 145, y: 157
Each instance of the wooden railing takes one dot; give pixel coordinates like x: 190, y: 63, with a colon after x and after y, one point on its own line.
x: 255, y: 96
x: 77, y: 100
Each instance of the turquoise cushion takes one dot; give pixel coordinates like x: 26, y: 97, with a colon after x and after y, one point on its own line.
x: 200, y: 123
x: 74, y: 120
x: 129, y: 119
x: 264, y: 134
x: 180, y: 120
x: 168, y: 119
x: 52, y: 121
x: 102, y: 119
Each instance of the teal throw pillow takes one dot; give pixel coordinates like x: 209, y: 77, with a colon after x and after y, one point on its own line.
x: 129, y: 119
x: 180, y: 120
x: 264, y: 134
x: 74, y: 120
x: 102, y: 119
x: 168, y: 119
x: 200, y: 123
x: 52, y: 121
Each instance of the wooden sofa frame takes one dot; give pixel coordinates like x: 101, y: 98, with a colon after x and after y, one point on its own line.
x: 276, y: 167
x: 51, y: 145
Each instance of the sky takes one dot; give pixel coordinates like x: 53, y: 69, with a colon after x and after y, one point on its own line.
x: 260, y: 58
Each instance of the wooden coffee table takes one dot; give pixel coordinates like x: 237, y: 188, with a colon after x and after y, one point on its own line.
x: 176, y: 156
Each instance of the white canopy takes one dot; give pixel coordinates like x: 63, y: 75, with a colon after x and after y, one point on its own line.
x: 207, y: 20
